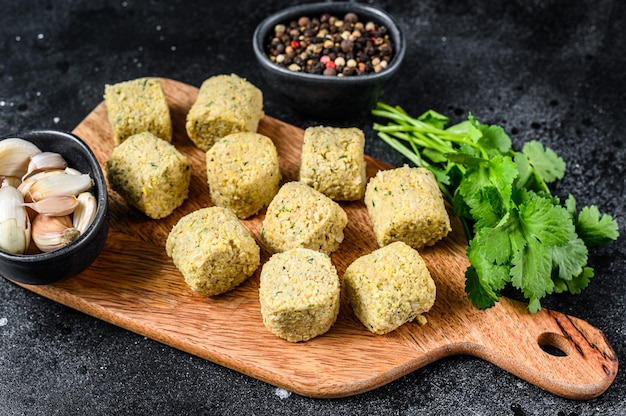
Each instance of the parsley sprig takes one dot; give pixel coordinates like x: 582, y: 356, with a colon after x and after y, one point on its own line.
x: 519, y: 234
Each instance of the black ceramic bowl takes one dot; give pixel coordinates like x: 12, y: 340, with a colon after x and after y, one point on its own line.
x: 46, y: 268
x: 324, y: 96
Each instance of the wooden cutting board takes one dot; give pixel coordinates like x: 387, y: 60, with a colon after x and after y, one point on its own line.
x: 133, y: 284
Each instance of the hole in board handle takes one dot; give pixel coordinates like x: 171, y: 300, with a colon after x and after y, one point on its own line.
x: 554, y: 344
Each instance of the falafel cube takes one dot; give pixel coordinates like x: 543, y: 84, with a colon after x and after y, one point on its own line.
x: 333, y: 163
x: 137, y: 106
x: 212, y: 249
x: 299, y: 293
x: 225, y: 104
x: 300, y: 216
x: 405, y: 204
x: 150, y: 174
x: 389, y: 287
x: 243, y: 172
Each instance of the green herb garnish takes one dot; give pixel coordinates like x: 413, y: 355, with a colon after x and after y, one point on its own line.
x: 518, y: 232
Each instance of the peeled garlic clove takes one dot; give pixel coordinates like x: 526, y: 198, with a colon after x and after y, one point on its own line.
x: 55, y: 185
x: 14, y: 222
x: 52, y: 233
x: 55, y: 205
x: 45, y: 161
x: 15, y: 155
x: 85, y: 211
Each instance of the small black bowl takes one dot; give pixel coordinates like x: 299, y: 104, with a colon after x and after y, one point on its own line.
x: 46, y: 268
x: 324, y: 96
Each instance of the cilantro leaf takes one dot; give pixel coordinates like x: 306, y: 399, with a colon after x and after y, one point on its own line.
x: 494, y: 139
x: 465, y: 159
x: 468, y: 130
x: 531, y: 272
x: 434, y: 118
x: 485, y: 207
x: 570, y: 205
x: 503, y: 172
x: 594, y: 228
x: 504, y: 240
x: 546, y: 162
x: 481, y: 295
x: 577, y: 284
x: 481, y: 256
x: 524, y: 169
x: 568, y: 260
x: 545, y: 222
x: 487, y: 189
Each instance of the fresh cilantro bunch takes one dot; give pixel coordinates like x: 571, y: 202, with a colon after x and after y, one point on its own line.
x: 518, y: 232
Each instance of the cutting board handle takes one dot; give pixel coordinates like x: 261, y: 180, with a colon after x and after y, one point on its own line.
x: 559, y: 353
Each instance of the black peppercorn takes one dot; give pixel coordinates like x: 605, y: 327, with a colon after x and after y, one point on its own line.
x: 351, y: 17
x: 347, y: 45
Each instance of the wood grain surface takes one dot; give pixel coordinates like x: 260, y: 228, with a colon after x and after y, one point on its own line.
x: 133, y: 284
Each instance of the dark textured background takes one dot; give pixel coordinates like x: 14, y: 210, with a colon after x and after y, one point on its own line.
x: 552, y: 70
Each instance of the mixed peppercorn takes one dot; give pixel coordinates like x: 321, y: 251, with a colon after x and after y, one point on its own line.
x: 329, y: 45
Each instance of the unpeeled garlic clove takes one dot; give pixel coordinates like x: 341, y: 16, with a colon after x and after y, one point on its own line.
x: 55, y: 206
x: 85, y: 211
x: 15, y: 155
x: 25, y: 186
x: 55, y: 185
x: 45, y: 161
x: 52, y: 233
x: 15, y: 227
x: 72, y: 171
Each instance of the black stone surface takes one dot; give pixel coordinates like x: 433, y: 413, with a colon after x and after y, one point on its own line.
x: 551, y: 70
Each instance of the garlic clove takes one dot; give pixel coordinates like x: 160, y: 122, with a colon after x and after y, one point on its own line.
x: 15, y: 227
x: 55, y: 205
x: 72, y: 171
x: 15, y: 155
x: 45, y: 161
x: 52, y: 233
x: 25, y: 186
x: 55, y: 185
x: 85, y: 211
x: 13, y: 237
